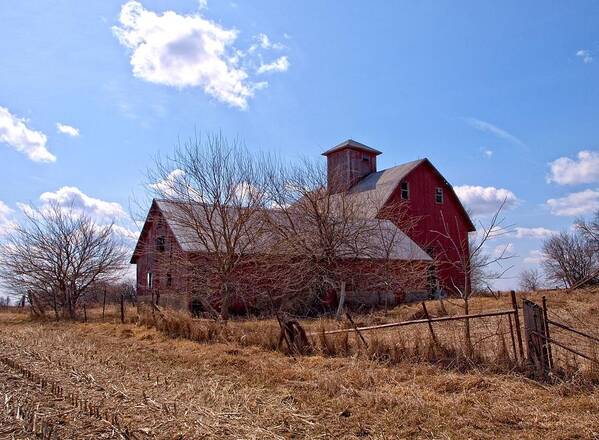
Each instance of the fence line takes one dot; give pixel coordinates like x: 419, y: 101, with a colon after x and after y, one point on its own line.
x: 539, y: 340
x: 414, y: 321
x: 573, y: 330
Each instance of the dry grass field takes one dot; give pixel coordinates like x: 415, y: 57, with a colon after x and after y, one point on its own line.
x: 162, y: 387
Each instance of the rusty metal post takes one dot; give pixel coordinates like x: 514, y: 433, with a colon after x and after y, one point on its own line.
x: 548, y: 339
x: 517, y: 324
x: 509, y: 319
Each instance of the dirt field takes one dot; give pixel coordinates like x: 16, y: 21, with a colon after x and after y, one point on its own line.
x: 158, y: 387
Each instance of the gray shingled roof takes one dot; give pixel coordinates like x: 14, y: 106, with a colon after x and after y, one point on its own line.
x: 374, y: 190
x: 400, y: 246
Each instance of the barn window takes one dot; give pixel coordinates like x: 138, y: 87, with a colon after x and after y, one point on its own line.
x: 439, y: 195
x: 160, y: 244
x: 150, y: 280
x: 365, y: 157
x: 405, y: 191
x: 169, y: 280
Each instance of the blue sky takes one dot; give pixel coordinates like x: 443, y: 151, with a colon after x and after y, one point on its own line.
x: 502, y: 97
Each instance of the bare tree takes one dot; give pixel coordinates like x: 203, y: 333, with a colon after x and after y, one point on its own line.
x: 476, y: 267
x: 55, y: 255
x: 570, y: 259
x: 531, y: 280
x: 590, y: 230
x: 216, y: 193
x: 259, y: 230
x: 336, y: 239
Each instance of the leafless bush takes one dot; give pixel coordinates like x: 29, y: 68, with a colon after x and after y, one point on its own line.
x: 56, y: 255
x: 531, y: 280
x: 570, y: 259
x: 590, y: 230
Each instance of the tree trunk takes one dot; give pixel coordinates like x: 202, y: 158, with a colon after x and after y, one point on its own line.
x: 467, y: 337
x: 224, y: 305
x: 341, y: 302
x: 69, y: 300
x: 122, y: 308
x: 104, y: 303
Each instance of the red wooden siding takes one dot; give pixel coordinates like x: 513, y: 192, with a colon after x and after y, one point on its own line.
x: 162, y: 264
x: 422, y: 182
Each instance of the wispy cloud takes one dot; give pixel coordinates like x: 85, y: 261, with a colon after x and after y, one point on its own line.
x: 585, y: 56
x: 15, y: 132
x: 67, y: 129
x: 281, y: 64
x: 535, y: 257
x: 539, y: 232
x: 500, y: 133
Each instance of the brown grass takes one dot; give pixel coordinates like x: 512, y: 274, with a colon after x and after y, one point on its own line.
x: 165, y: 387
x: 493, y: 348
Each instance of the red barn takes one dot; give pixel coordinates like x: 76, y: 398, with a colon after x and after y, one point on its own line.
x: 419, y: 186
x: 427, y: 195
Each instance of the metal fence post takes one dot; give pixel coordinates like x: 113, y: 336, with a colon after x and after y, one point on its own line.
x: 517, y: 323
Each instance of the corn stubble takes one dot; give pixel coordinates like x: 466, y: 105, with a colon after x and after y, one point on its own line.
x: 238, y: 382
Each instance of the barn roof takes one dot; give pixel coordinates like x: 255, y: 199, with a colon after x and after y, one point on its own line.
x: 374, y: 190
x: 396, y: 244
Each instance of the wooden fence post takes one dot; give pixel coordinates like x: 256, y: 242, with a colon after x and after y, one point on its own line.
x: 536, y: 338
x: 517, y: 324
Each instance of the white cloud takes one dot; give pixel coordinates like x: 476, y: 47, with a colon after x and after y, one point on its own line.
x: 168, y: 186
x: 583, y: 169
x: 534, y: 257
x: 534, y: 232
x: 6, y: 222
x: 202, y: 4
x: 186, y: 51
x: 585, y: 56
x: 281, y: 64
x: 487, y: 127
x: 125, y: 232
x: 15, y: 132
x: 488, y: 153
x: 577, y: 203
x: 67, y: 129
x: 504, y: 251
x: 70, y: 196
x: 485, y: 200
